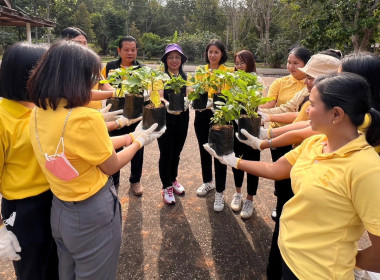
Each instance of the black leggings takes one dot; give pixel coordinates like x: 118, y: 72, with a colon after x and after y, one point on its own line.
x: 202, y: 126
x: 171, y: 145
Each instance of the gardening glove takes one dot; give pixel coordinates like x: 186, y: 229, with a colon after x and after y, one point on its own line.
x: 263, y: 134
x: 110, y: 116
x: 170, y: 111
x: 9, y: 245
x: 123, y: 121
x: 186, y: 104
x: 210, y: 103
x: 229, y: 159
x: 264, y: 117
x: 146, y: 95
x: 148, y: 136
x: 251, y: 141
x: 138, y: 130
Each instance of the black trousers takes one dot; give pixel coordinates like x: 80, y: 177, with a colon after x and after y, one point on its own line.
x: 171, y: 145
x: 39, y: 259
x: 246, y: 152
x: 136, y: 162
x: 288, y: 274
x: 284, y: 192
x: 202, y: 126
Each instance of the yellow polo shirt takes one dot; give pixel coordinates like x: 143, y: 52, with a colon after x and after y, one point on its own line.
x: 21, y: 175
x: 87, y: 145
x: 283, y: 90
x: 302, y: 114
x: 336, y: 197
x: 211, y: 91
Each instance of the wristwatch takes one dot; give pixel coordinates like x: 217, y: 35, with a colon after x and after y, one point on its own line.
x: 270, y: 144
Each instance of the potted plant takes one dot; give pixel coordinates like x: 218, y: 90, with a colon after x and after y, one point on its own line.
x: 246, y: 91
x: 130, y: 93
x: 176, y: 99
x: 219, y: 80
x: 199, y: 94
x: 221, y: 134
x: 154, y: 110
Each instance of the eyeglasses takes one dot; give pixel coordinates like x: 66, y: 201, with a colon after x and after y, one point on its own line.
x: 240, y: 64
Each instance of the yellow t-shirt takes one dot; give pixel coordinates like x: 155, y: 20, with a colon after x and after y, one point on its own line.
x: 211, y: 91
x: 96, y: 104
x: 302, y: 115
x: 87, y: 145
x: 283, y: 90
x: 336, y: 197
x: 21, y: 175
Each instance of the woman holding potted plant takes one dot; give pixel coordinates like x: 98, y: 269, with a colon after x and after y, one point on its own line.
x: 85, y: 213
x: 215, y: 55
x: 334, y: 177
x: 245, y: 61
x: 177, y: 123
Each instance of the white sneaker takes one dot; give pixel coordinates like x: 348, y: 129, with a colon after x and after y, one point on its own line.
x: 168, y: 195
x: 247, y: 210
x: 236, y: 202
x: 205, y: 188
x: 219, y: 202
x: 178, y: 188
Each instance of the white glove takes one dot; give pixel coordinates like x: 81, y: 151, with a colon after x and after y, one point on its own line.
x: 138, y: 130
x: 123, y: 121
x: 264, y: 117
x: 8, y: 245
x: 170, y: 111
x: 263, y: 134
x: 229, y: 159
x: 186, y: 104
x: 210, y: 103
x: 110, y: 116
x: 252, y: 141
x: 148, y: 136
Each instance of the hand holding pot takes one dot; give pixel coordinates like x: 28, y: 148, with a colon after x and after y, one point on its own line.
x: 123, y: 121
x: 263, y: 134
x: 264, y: 117
x: 170, y: 111
x: 251, y: 141
x: 110, y: 116
x: 186, y: 104
x: 229, y: 159
x: 148, y: 136
x: 9, y: 245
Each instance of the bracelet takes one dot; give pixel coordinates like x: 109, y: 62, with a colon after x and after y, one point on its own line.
x: 270, y: 133
x: 118, y: 124
x: 270, y: 144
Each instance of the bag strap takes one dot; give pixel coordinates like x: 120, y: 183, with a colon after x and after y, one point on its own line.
x: 60, y: 140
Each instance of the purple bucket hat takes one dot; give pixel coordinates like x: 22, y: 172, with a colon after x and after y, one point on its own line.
x: 173, y: 47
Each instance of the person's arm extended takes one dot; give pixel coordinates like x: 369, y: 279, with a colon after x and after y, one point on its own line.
x: 283, y: 118
x: 368, y: 259
x: 278, y: 170
x: 289, y: 138
x: 102, y: 94
x: 269, y: 104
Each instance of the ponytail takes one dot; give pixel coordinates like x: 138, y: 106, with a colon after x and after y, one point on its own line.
x: 373, y: 131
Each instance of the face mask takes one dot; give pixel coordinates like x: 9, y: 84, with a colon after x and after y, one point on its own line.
x: 58, y: 164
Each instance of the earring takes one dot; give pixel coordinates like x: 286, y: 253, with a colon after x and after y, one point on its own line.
x: 333, y: 122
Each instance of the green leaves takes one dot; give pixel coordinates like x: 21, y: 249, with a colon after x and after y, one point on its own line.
x: 175, y: 84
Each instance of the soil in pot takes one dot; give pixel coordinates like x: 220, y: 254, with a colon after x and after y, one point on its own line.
x: 217, y: 97
x: 117, y: 103
x: 221, y: 139
x: 133, y: 106
x: 201, y: 102
x: 153, y: 115
x: 252, y: 125
x: 176, y: 102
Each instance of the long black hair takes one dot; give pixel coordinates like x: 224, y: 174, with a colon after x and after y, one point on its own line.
x: 221, y: 46
x: 350, y: 92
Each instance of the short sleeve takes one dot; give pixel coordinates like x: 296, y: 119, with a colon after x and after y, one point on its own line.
x: 103, y: 72
x: 274, y: 89
x: 92, y: 142
x: 293, y: 155
x: 365, y: 192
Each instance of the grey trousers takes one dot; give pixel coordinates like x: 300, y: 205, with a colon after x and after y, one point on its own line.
x: 88, y: 235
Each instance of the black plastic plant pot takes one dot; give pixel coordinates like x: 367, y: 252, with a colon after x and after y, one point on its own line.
x: 217, y: 97
x: 176, y: 102
x: 117, y: 103
x: 133, y: 106
x: 252, y: 125
x: 221, y: 139
x: 153, y: 115
x: 201, y: 102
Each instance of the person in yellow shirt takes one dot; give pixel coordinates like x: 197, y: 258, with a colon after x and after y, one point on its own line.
x: 215, y: 55
x: 23, y: 185
x: 335, y: 179
x: 77, y: 156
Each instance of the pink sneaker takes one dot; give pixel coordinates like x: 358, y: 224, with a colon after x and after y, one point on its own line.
x: 178, y: 188
x: 168, y: 196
